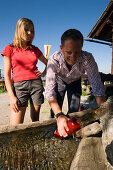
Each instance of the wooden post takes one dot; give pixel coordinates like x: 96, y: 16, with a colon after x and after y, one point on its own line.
x: 112, y: 53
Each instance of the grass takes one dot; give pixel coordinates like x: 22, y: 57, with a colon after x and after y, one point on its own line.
x: 43, y: 83
x: 2, y: 90
x: 84, y: 93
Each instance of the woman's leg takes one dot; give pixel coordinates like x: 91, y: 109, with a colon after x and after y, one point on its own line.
x: 36, y: 98
x: 17, y: 117
x: 34, y: 112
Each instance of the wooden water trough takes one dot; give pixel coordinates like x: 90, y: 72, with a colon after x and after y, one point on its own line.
x: 32, y: 146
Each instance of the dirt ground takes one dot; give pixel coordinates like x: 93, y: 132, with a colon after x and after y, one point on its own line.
x: 44, y: 113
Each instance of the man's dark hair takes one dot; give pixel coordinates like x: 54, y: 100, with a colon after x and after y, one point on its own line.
x: 71, y: 34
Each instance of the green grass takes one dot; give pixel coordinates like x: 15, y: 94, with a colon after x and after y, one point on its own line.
x: 2, y: 90
x: 84, y: 93
x: 43, y: 83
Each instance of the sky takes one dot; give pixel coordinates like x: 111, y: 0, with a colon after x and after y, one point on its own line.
x: 51, y: 18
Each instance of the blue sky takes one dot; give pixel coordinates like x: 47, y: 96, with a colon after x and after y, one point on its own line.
x: 51, y: 18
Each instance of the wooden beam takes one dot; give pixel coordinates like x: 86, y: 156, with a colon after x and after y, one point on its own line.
x: 91, y: 129
x: 100, y: 42
x: 102, y: 25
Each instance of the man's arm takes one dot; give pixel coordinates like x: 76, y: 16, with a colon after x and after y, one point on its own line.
x: 54, y: 105
x: 50, y: 95
x: 94, y: 79
x: 61, y: 120
x: 100, y: 100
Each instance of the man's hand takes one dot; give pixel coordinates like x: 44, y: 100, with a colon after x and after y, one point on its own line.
x: 62, y: 125
x: 61, y: 120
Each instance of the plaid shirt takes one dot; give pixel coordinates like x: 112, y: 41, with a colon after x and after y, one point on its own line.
x: 57, y: 67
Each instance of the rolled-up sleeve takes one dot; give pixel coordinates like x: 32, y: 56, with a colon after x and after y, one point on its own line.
x: 94, y: 76
x: 51, y: 79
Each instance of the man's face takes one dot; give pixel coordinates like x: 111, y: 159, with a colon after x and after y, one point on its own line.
x: 71, y: 51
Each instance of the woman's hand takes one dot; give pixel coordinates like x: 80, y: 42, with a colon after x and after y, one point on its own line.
x: 14, y: 103
x: 62, y: 125
x: 39, y: 74
x: 44, y: 61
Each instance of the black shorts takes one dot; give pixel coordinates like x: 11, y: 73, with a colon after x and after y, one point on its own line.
x: 29, y: 89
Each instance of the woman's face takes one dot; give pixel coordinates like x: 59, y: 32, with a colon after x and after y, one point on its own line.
x: 28, y: 33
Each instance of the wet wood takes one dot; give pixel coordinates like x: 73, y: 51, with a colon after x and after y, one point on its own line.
x: 90, y: 155
x: 84, y: 117
x: 21, y: 127
x: 33, y: 144
x: 106, y: 121
x: 105, y: 114
x: 89, y: 130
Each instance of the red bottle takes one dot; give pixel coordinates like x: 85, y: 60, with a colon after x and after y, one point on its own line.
x: 73, y: 126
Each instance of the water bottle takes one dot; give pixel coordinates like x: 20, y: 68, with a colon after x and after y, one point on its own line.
x: 73, y: 125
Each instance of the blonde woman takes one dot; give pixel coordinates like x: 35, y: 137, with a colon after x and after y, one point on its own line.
x: 21, y: 57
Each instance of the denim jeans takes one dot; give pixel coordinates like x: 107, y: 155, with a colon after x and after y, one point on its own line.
x: 73, y: 95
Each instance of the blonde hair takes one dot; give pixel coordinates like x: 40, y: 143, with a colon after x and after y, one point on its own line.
x: 20, y: 31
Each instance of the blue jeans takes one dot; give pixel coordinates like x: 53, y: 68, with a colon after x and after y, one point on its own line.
x: 73, y: 95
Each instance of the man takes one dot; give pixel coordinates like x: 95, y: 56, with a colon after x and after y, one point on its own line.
x: 64, y: 70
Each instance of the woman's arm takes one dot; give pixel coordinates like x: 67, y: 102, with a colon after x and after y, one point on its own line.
x: 8, y: 83
x: 43, y: 60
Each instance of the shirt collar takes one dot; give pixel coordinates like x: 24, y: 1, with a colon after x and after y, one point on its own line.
x: 29, y: 47
x: 61, y: 61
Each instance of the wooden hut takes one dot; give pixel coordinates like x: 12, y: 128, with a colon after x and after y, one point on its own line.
x: 103, y: 29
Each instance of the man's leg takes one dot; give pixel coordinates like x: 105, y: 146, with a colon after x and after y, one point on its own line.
x: 73, y: 93
x: 60, y: 90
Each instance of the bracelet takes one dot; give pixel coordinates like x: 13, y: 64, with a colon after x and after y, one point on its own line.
x: 67, y: 116
x: 61, y: 113
x: 58, y: 114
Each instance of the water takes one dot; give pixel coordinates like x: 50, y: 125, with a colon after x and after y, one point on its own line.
x: 36, y: 148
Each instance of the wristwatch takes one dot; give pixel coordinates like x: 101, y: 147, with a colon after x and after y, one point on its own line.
x: 58, y: 114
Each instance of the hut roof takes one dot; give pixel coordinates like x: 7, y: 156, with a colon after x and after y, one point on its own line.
x: 102, y: 30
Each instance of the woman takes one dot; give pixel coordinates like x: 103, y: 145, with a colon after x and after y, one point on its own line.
x: 21, y: 57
